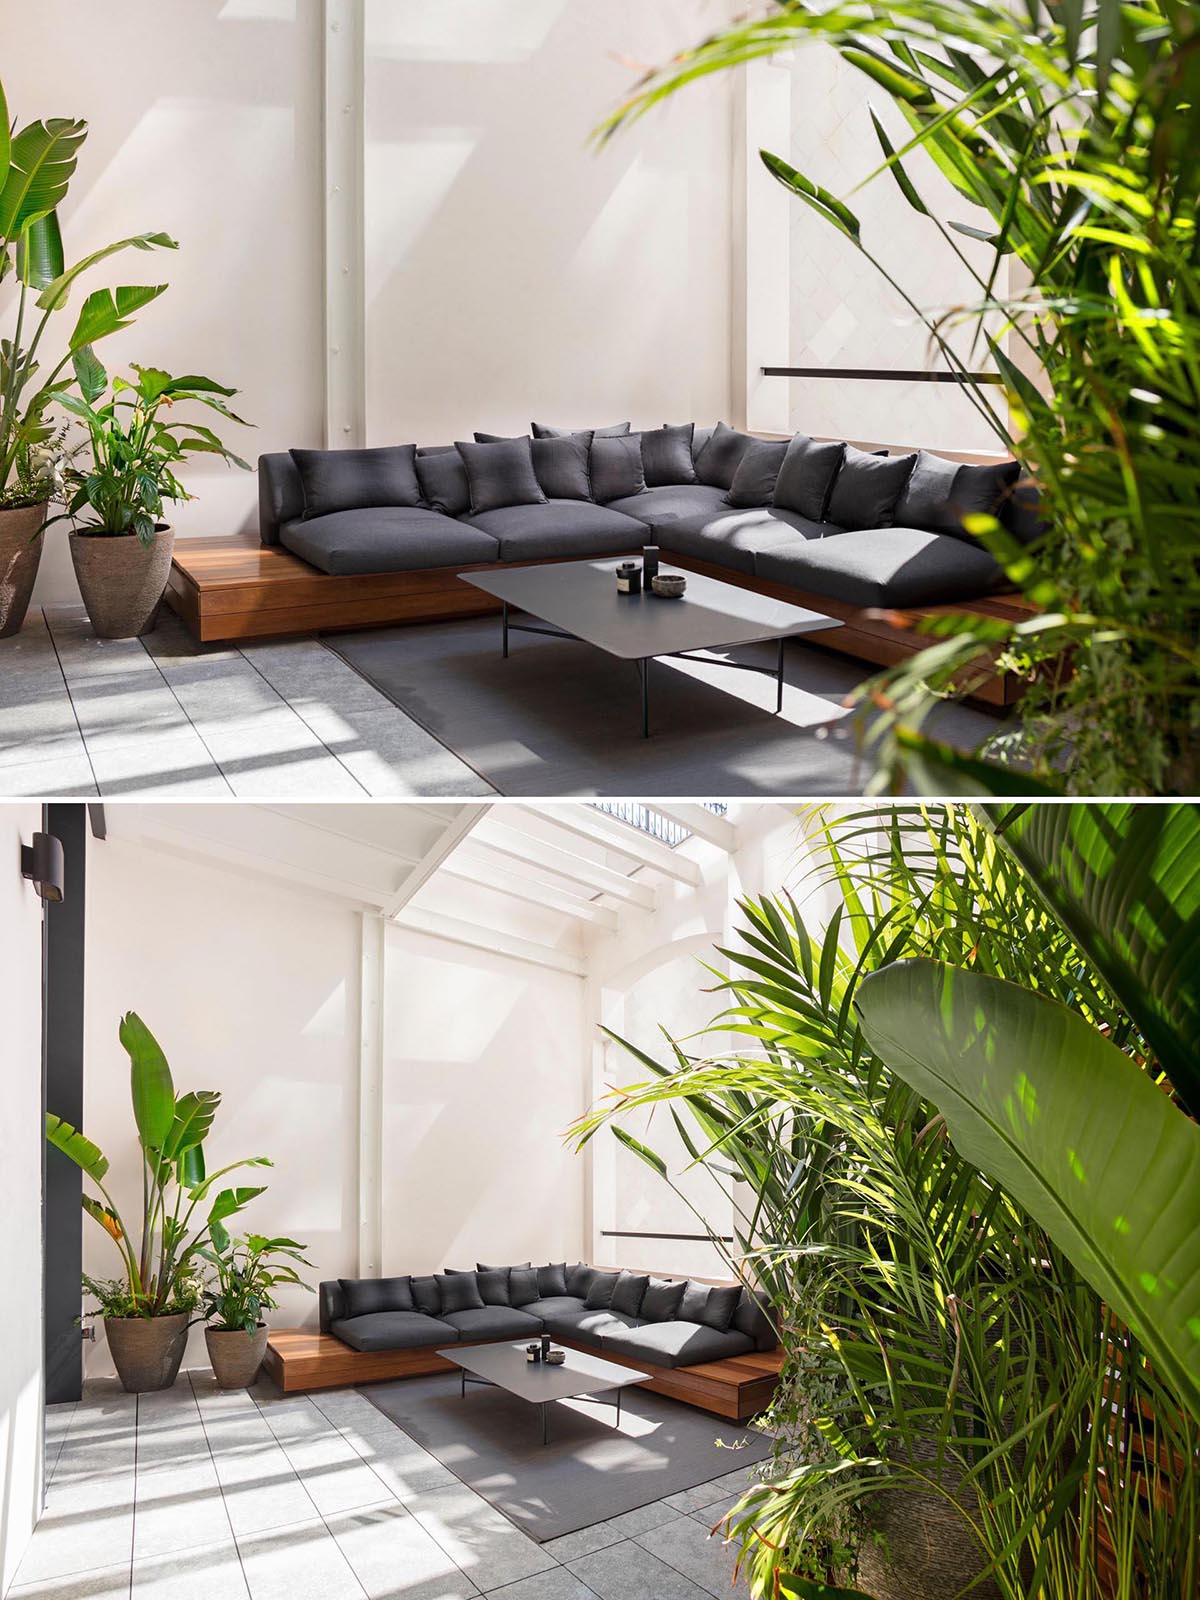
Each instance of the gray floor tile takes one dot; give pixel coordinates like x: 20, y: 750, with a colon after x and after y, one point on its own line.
x: 395, y: 1558
x: 557, y: 1585
x: 260, y: 1488
x: 178, y: 1506
x: 110, y: 1584
x: 213, y: 1572
x: 299, y: 1563
x: 165, y: 761
x: 715, y: 1513
x: 481, y: 1541
x: 687, y: 1547
x: 628, y: 1572
x: 570, y: 1546
x: 67, y: 777
x: 391, y: 755
x: 87, y: 1526
x: 400, y: 1464
x: 631, y: 1523
x: 335, y: 1476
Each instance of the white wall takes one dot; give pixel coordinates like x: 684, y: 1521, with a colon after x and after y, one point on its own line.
x: 252, y: 990
x: 514, y: 273
x: 484, y: 1067
x: 21, y: 1359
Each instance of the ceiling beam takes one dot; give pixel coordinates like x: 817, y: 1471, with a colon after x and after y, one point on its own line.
x: 535, y: 852
x: 532, y: 891
x: 612, y: 834
x: 311, y: 816
x: 703, y: 823
x: 492, y: 940
x: 451, y: 836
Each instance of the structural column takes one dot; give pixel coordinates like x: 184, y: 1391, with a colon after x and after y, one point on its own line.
x: 370, y: 1095
x: 345, y: 316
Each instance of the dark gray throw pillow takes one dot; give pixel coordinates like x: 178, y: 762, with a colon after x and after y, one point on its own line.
x: 522, y: 1286
x: 720, y: 1307
x: 940, y: 493
x: 600, y: 1291
x: 357, y: 480
x: 543, y: 430
x: 498, y: 438
x: 501, y: 474
x: 364, y: 1296
x: 562, y: 467
x: 700, y: 438
x: 627, y: 1293
x: 552, y: 1280
x: 616, y: 467
x: 867, y: 489
x: 443, y: 479
x: 806, y: 476
x: 693, y: 1302
x: 660, y: 1303
x: 493, y: 1286
x: 718, y: 461
x: 757, y: 472
x: 667, y: 456
x: 1021, y: 513
x: 579, y: 1279
x: 427, y: 1293
x: 480, y: 1267
x: 460, y: 1292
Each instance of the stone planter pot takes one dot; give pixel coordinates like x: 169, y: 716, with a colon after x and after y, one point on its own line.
x: 236, y: 1355
x: 122, y: 580
x: 147, y: 1351
x: 20, y: 552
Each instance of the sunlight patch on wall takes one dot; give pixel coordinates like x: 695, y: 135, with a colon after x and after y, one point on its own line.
x: 467, y: 30
x: 453, y: 1009
x: 329, y: 1019
x: 404, y: 184
x: 257, y: 11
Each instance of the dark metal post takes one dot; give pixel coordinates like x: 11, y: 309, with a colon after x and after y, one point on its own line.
x: 504, y: 625
x: 644, y: 666
x: 779, y: 691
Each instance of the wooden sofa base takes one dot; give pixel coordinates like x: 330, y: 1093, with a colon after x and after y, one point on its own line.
x: 233, y: 589
x: 737, y: 1389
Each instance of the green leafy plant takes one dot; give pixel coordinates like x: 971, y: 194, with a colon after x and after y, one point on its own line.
x: 159, y: 1265
x: 37, y: 163
x: 136, y: 444
x: 963, y: 1363
x: 245, y: 1273
x: 1069, y: 134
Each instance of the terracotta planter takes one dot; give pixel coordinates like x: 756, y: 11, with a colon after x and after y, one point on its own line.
x: 20, y: 551
x: 122, y: 580
x: 147, y: 1351
x: 236, y: 1355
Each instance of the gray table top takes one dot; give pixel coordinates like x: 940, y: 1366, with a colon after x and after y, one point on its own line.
x: 581, y: 597
x: 506, y: 1365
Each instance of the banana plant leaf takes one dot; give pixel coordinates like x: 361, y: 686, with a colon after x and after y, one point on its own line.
x: 105, y: 1216
x: 78, y: 1148
x: 194, y: 1113
x: 56, y: 289
x: 1073, y: 1129
x: 40, y: 251
x: 792, y: 1588
x: 41, y: 164
x: 1124, y: 881
x: 106, y: 312
x: 153, y: 1091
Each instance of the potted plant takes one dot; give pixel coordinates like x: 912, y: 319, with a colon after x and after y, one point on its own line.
x: 122, y: 548
x: 246, y: 1271
x: 36, y: 166
x: 148, y: 1309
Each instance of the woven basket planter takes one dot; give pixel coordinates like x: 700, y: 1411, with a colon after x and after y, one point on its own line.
x: 20, y: 552
x: 122, y: 580
x: 236, y: 1355
x: 147, y: 1351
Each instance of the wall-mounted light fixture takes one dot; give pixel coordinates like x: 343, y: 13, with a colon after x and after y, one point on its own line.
x: 42, y: 863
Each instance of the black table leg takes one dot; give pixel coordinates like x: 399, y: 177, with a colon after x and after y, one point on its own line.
x: 464, y: 1383
x: 779, y: 690
x: 618, y: 1408
x: 545, y: 1423
x: 504, y: 625
x: 644, y: 668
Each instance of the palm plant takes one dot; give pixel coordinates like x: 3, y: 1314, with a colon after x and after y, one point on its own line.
x: 37, y: 163
x: 136, y: 445
x: 159, y: 1263
x: 245, y: 1272
x: 952, y: 1357
x: 1072, y: 131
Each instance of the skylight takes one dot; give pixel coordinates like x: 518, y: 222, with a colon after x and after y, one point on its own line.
x: 649, y: 821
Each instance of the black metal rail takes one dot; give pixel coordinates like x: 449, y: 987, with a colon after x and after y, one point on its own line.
x: 881, y: 374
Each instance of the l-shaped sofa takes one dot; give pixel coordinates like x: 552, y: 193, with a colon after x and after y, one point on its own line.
x: 860, y: 535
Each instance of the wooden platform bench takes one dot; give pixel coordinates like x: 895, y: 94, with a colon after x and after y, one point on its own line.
x: 300, y: 1361
x: 228, y: 590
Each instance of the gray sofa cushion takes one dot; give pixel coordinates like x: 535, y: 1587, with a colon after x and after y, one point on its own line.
x: 867, y: 488
x: 940, y: 493
x: 671, y: 502
x: 674, y: 1344
x: 560, y: 528
x: 718, y: 461
x: 561, y: 466
x: 427, y: 1292
x: 501, y: 474
x: 667, y: 455
x: 628, y: 1292
x: 661, y: 1299
x: 494, y: 1322
x: 751, y: 1319
x: 522, y: 1286
x: 601, y: 1290
x: 443, y: 479
x: 394, y: 1330
x: 552, y: 1279
x: 734, y: 538
x: 543, y: 430
x: 460, y: 1292
x: 351, y: 480
x: 493, y: 1286
x: 757, y: 473
x: 386, y: 539
x: 280, y: 494
x: 579, y: 1279
x: 884, y: 567
x: 365, y: 1296
x: 806, y: 476
x: 589, y: 1327
x: 720, y: 1307
x: 615, y: 465
x: 554, y: 1305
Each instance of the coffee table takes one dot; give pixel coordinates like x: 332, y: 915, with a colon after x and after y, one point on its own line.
x: 580, y: 600
x: 505, y: 1366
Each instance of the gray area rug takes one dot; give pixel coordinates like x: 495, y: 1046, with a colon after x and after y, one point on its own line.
x: 563, y: 718
x: 588, y: 1472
